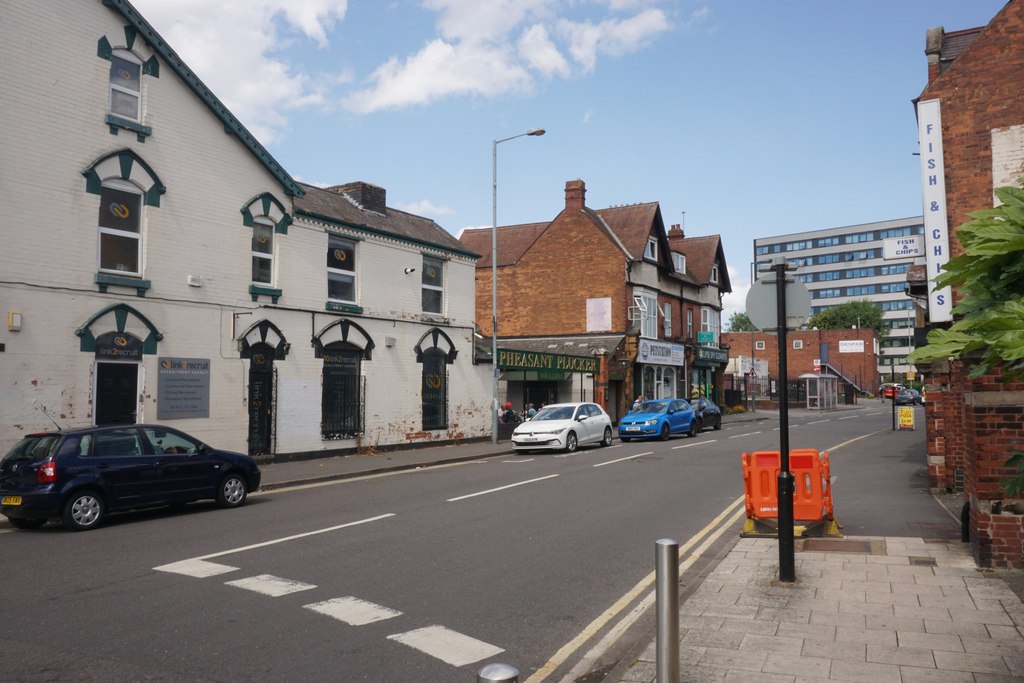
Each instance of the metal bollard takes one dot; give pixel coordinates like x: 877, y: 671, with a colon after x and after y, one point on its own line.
x: 498, y: 673
x: 667, y: 594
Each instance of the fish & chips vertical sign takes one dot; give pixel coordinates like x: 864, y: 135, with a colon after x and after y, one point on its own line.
x: 936, y: 226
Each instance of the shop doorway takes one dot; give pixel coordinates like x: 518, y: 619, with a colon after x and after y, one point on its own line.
x: 540, y: 394
x: 261, y: 402
x: 117, y: 393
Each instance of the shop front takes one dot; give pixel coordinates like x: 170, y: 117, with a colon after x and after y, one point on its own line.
x: 706, y: 371
x: 660, y: 369
x: 538, y: 378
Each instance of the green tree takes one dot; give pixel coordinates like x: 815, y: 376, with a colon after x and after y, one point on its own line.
x: 860, y: 314
x: 989, y: 277
x: 740, y: 322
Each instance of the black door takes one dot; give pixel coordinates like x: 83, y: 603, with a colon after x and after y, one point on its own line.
x: 261, y: 402
x: 117, y: 387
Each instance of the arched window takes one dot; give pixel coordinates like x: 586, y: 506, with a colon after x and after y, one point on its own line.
x: 343, y: 346
x: 435, y: 351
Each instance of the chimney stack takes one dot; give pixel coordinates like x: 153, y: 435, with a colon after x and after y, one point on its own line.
x: 933, y: 39
x: 364, y: 195
x: 575, y: 195
x: 676, y: 233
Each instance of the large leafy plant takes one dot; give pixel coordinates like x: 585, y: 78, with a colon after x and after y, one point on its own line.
x: 990, y: 324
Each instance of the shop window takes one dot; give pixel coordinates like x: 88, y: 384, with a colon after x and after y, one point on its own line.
x: 341, y: 269
x: 433, y: 285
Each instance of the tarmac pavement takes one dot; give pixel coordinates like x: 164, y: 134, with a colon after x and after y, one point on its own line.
x: 870, y: 609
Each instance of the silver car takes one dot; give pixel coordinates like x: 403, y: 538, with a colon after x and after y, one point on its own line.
x: 564, y: 426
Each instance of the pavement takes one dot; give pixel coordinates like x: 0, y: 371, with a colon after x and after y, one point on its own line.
x: 862, y: 608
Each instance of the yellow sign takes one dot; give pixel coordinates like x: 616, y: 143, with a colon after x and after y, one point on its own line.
x: 906, y: 417
x: 910, y: 376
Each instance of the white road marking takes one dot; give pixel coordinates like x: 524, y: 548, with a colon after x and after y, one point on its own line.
x: 628, y: 457
x: 447, y: 645
x: 850, y: 417
x: 818, y: 422
x: 691, y: 445
x: 736, y: 436
x: 524, y: 460
x: 296, y: 536
x: 353, y: 611
x: 200, y: 569
x: 877, y: 412
x: 274, y: 586
x: 501, y: 488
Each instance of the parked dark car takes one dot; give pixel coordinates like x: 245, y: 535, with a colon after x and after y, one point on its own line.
x: 905, y: 397
x: 661, y: 418
x: 81, y: 475
x: 918, y: 398
x: 708, y: 414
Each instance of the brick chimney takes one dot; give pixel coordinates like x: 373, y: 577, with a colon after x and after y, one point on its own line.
x: 575, y: 195
x: 933, y: 39
x: 675, y: 233
x: 364, y: 195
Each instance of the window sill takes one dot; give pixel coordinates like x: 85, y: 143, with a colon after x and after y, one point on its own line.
x: 256, y: 291
x: 139, y: 285
x: 140, y: 130
x: 343, y: 308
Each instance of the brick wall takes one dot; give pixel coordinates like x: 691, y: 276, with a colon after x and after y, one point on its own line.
x: 858, y: 367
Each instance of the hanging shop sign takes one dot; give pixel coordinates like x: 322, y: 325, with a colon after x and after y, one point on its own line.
x: 709, y: 356
x: 936, y: 228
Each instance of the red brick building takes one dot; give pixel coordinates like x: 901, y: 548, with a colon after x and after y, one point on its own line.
x: 973, y: 425
x: 608, y: 283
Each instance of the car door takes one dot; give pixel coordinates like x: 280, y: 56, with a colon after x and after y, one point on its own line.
x: 595, y: 423
x: 678, y: 418
x: 184, y: 470
x: 122, y: 467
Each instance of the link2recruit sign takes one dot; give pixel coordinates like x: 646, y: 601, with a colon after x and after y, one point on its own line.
x: 183, y: 388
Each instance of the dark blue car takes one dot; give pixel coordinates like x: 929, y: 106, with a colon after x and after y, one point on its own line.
x: 80, y: 475
x: 661, y: 418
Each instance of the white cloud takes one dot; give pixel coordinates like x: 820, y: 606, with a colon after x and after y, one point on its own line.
x: 537, y: 50
x: 612, y: 37
x: 229, y: 44
x: 425, y: 207
x: 587, y: 115
x: 736, y: 301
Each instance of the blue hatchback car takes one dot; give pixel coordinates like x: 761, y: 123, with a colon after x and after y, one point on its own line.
x: 660, y: 418
x: 78, y: 476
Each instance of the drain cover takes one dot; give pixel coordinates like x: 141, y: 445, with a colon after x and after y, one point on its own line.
x: 837, y: 546
x: 922, y: 561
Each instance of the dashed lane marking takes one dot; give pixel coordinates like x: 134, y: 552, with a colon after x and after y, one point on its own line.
x: 353, y: 611
x: 691, y: 445
x: 501, y: 488
x: 200, y: 569
x: 523, y: 460
x: 737, y: 436
x: 628, y: 457
x: 818, y: 422
x: 447, y: 645
x: 850, y: 417
x: 274, y: 586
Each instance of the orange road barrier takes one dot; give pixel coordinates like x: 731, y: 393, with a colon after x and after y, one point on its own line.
x: 812, y: 492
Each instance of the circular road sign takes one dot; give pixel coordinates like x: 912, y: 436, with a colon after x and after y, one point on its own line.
x: 762, y: 304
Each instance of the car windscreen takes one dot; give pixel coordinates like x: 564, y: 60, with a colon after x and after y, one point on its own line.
x: 35, y: 447
x: 652, y: 407
x: 554, y: 413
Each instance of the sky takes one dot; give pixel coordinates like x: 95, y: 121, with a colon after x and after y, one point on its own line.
x: 741, y: 118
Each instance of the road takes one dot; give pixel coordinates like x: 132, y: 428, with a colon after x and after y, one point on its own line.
x: 425, y: 575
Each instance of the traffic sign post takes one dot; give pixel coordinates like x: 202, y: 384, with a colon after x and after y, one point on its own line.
x: 791, y: 306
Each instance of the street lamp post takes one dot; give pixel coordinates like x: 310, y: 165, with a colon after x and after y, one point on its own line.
x: 494, y: 276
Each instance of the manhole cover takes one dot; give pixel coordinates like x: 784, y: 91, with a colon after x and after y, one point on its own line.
x: 922, y: 561
x: 837, y: 546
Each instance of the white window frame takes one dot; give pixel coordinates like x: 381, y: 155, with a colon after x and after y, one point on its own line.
x: 439, y: 263
x: 711, y: 321
x: 342, y: 271
x: 666, y: 313
x: 679, y: 262
x: 112, y: 86
x: 714, y: 273
x: 759, y: 346
x: 648, y: 303
x: 689, y: 323
x: 798, y: 344
x: 124, y: 186
x: 651, y: 250
x: 264, y: 256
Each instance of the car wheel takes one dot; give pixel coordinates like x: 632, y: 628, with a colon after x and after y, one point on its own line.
x: 607, y: 440
x: 665, y: 432
x: 232, y: 491
x: 19, y: 523
x: 693, y: 429
x: 570, y: 442
x: 84, y: 510
x: 718, y: 424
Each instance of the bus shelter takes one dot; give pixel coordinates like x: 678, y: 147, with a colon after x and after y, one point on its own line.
x: 822, y: 390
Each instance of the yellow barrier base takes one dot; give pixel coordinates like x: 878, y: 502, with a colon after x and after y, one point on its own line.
x: 765, y: 528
